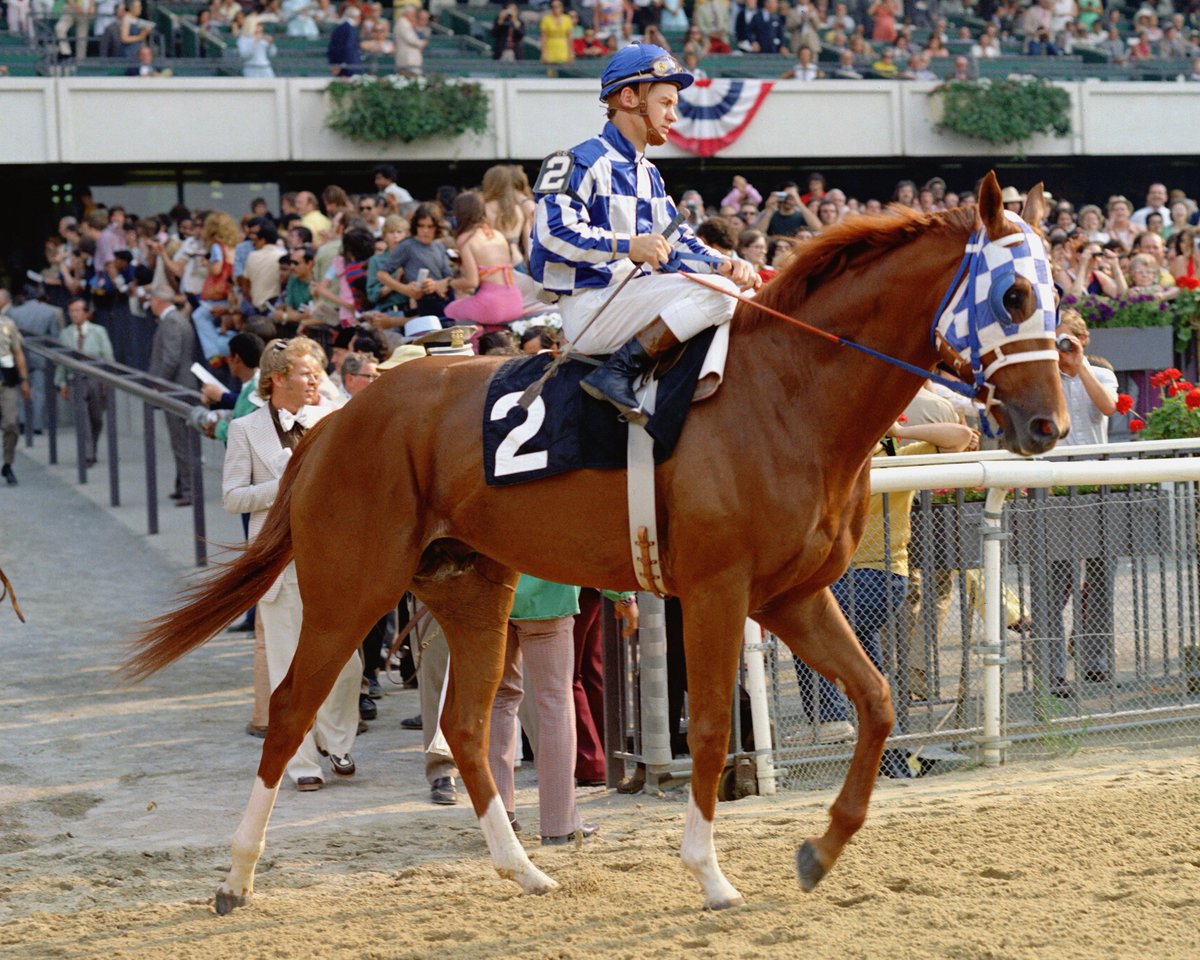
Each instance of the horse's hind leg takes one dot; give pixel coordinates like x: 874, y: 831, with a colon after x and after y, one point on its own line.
x: 816, y: 631
x: 331, y: 631
x: 712, y: 636
x: 472, y: 608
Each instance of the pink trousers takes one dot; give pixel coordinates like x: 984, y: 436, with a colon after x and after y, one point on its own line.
x: 492, y: 305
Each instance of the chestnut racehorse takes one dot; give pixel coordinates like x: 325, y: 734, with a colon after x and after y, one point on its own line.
x: 760, y: 509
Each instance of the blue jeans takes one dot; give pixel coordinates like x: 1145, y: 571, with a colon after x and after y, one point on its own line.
x: 870, y: 600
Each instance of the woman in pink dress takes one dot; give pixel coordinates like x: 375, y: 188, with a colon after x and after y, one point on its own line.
x: 486, y: 259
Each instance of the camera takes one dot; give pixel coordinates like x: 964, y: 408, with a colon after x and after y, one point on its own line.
x: 781, y: 195
x: 1064, y: 344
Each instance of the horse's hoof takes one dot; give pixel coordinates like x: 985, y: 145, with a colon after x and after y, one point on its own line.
x: 228, y: 902
x: 808, y: 868
x: 737, y: 900
x: 538, y: 889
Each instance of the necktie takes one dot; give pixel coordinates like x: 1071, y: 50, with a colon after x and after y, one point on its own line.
x: 79, y: 338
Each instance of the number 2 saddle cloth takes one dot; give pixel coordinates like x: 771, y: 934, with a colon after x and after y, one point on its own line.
x: 565, y: 429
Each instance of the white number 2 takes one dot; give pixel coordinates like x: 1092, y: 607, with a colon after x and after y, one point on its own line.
x: 555, y: 174
x: 508, y: 460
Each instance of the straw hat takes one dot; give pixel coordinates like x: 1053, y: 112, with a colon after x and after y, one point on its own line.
x: 1011, y: 195
x: 402, y: 354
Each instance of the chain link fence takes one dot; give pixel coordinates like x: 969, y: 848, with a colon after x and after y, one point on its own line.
x: 1100, y: 643
x: 1101, y: 600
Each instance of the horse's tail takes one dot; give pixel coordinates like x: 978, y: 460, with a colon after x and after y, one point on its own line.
x: 213, y: 603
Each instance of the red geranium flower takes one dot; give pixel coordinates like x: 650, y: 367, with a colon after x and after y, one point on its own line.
x: 1192, y: 399
x: 1185, y: 385
x: 1172, y: 389
x: 1187, y: 283
x: 1172, y: 373
x: 1136, y: 426
x: 1124, y: 403
x: 1159, y: 379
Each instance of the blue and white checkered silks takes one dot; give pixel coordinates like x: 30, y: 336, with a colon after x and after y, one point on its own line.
x: 975, y: 322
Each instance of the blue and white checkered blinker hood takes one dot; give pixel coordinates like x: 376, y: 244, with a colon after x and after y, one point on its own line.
x: 976, y: 324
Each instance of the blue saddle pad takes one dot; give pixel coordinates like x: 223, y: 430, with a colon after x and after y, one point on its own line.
x: 566, y: 429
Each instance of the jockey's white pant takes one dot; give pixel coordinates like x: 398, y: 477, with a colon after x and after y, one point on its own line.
x: 684, y: 305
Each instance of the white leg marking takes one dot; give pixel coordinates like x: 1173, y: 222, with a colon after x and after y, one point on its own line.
x: 508, y: 855
x: 700, y: 857
x: 249, y: 840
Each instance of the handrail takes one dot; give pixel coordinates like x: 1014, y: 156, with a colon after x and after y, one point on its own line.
x: 154, y: 392
x: 163, y: 394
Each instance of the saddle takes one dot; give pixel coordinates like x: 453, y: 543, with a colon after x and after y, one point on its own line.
x: 565, y: 429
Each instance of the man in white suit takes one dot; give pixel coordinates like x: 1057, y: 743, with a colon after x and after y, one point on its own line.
x: 260, y: 445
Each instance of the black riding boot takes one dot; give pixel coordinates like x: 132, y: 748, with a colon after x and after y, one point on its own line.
x: 616, y: 381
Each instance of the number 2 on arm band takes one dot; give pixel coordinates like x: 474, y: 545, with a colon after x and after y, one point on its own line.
x: 555, y: 175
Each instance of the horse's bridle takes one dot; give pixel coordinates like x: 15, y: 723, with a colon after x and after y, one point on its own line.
x: 972, y: 331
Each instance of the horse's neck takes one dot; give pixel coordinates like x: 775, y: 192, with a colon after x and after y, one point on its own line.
x: 823, y: 395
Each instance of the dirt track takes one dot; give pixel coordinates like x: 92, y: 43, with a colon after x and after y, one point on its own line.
x: 116, y: 808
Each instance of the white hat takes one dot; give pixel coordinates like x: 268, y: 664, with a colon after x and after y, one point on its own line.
x: 429, y: 329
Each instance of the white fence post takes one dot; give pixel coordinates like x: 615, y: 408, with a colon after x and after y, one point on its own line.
x: 992, y: 649
x: 756, y: 688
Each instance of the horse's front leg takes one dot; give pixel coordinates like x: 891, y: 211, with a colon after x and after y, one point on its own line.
x: 472, y: 609
x: 816, y: 631
x: 712, y: 638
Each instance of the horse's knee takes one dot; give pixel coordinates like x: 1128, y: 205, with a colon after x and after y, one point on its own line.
x: 875, y: 712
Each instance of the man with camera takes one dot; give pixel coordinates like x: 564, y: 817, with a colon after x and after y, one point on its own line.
x: 781, y: 214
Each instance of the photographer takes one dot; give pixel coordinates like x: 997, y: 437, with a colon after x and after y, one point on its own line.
x: 507, y: 34
x: 783, y: 213
x: 1090, y: 392
x: 1099, y: 271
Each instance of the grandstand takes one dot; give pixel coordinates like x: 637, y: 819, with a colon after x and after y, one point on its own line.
x: 461, y: 47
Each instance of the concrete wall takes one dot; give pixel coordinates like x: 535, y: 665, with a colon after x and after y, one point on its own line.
x: 185, y: 120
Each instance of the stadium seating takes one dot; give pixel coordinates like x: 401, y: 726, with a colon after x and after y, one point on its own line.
x: 461, y: 46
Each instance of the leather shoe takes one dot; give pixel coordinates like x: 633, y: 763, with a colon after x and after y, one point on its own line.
x: 366, y: 707
x: 590, y: 782
x: 587, y: 829
x: 374, y: 691
x: 309, y: 784
x: 260, y: 732
x: 342, y: 766
x: 443, y: 791
x: 411, y: 723
x: 634, y: 783
x: 9, y: 476
x: 183, y: 502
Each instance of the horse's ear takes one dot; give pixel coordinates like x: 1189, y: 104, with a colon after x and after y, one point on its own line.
x: 1034, y: 211
x: 991, y: 210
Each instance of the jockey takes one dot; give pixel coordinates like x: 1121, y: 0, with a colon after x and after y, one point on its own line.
x: 603, y: 210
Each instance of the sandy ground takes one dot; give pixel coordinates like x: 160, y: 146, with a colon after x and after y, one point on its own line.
x: 116, y: 808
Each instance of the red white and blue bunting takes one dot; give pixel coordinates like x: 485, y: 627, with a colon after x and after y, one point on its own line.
x: 713, y: 113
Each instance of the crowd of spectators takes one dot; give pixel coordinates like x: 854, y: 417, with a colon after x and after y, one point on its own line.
x: 844, y: 39
x: 372, y: 260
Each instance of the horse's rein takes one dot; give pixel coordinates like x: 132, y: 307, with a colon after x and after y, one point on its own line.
x: 958, y: 386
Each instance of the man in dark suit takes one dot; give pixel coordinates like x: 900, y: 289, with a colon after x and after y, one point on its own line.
x: 171, y: 359
x: 345, y: 54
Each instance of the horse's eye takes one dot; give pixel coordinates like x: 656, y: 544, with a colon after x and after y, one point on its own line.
x: 1013, y: 299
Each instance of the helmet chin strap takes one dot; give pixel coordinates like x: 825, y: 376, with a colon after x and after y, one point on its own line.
x: 653, y: 137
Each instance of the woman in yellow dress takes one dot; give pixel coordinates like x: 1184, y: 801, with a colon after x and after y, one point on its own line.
x: 556, y: 29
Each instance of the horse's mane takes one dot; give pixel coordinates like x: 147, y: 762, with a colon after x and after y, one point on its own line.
x: 851, y: 242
